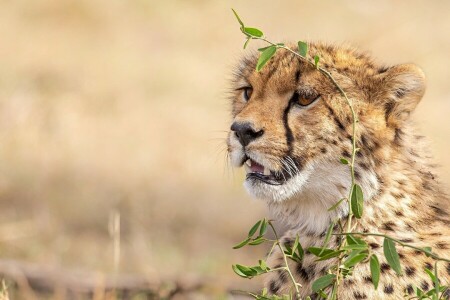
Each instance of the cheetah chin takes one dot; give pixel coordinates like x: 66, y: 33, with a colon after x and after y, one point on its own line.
x: 263, y: 183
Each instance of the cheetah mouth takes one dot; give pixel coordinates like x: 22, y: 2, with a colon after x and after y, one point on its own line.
x: 257, y: 172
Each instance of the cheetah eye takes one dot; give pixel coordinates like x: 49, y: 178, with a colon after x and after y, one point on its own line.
x: 247, y: 93
x: 304, y: 100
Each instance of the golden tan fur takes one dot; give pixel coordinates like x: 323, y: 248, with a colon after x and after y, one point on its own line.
x: 402, y: 195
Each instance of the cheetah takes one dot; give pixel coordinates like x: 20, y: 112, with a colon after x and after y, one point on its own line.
x: 290, y: 126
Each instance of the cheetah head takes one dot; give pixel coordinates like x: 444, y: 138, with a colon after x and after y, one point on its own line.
x: 291, y: 125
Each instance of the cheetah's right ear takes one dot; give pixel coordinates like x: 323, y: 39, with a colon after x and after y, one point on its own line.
x: 399, y: 90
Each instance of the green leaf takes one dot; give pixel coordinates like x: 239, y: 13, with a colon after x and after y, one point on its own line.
x: 336, y: 204
x: 355, y: 247
x: 237, y: 17
x: 264, y: 48
x: 253, y: 31
x: 323, y: 282
x: 344, y: 161
x: 375, y: 270
x: 320, y: 251
x: 238, y: 272
x: 330, y: 255
x: 258, y: 270
x: 265, y: 56
x: 427, y: 251
x: 316, y: 61
x: 302, y: 48
x: 300, y: 251
x: 263, y: 264
x: 357, y: 201
x: 353, y: 240
x: 249, y: 272
x: 242, y: 244
x: 254, y: 228
x: 263, y: 229
x: 435, y: 279
x: 390, y: 252
x: 246, y: 42
x: 257, y: 241
x: 296, y: 243
x: 352, y: 261
x: 328, y: 235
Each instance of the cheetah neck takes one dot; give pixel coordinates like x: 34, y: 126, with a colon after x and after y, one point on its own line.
x: 329, y: 182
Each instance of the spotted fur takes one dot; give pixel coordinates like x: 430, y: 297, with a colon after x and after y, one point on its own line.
x: 403, y: 197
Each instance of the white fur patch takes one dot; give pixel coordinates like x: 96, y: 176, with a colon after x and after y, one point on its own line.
x: 303, y: 201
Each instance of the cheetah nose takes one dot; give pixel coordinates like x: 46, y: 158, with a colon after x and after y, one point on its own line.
x: 245, y: 132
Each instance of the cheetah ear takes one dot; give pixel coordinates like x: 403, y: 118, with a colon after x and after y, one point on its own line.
x: 400, y: 89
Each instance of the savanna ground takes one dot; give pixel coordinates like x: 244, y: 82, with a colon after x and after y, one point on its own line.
x: 119, y: 108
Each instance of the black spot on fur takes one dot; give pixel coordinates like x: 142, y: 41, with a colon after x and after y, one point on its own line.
x: 283, y: 276
x: 364, y: 165
x: 297, y: 76
x: 359, y: 295
x: 390, y: 226
x: 345, y: 153
x: 311, y: 271
x: 302, y: 272
x: 388, y: 288
x: 398, y: 136
x: 399, y: 213
x: 273, y: 287
x: 385, y: 267
x: 409, y: 289
x: 374, y: 245
x: 448, y: 268
x: 388, y: 107
x: 397, y: 196
x: 367, y: 279
x: 438, y: 211
x: 429, y: 266
x: 425, y: 286
x: 441, y: 245
x: 410, y: 271
x: 400, y: 93
x: 407, y: 240
x: 323, y: 150
x: 382, y: 69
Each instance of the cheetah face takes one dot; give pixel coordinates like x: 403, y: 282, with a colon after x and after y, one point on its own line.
x: 278, y: 114
x: 290, y: 124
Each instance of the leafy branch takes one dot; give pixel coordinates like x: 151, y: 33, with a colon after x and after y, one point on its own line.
x: 351, y: 250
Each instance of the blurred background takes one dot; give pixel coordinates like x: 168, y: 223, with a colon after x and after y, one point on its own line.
x: 113, y: 118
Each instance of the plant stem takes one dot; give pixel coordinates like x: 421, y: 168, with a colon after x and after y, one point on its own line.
x: 431, y: 254
x: 296, y: 284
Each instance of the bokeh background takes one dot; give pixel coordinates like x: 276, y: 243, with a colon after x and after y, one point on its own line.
x: 118, y: 109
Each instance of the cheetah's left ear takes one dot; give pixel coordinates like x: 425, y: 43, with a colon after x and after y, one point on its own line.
x: 399, y: 90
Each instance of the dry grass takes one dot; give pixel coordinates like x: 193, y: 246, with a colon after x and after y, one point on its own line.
x: 120, y: 106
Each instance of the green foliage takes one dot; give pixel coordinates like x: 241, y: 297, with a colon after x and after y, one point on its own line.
x: 375, y: 270
x: 350, y: 251
x: 323, y: 282
x: 390, y: 252
x: 302, y: 48
x: 316, y: 61
x: 357, y: 201
x: 265, y: 56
